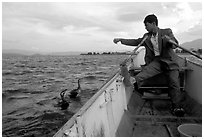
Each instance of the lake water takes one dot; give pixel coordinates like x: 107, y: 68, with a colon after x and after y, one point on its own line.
x: 31, y: 87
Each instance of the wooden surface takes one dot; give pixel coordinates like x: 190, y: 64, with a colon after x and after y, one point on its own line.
x: 145, y: 120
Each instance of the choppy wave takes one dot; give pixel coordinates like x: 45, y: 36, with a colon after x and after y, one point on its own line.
x: 31, y: 87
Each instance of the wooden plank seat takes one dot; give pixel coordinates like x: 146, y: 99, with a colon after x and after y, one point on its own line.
x: 152, y: 96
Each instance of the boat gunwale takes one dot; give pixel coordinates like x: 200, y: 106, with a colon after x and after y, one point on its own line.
x: 200, y: 65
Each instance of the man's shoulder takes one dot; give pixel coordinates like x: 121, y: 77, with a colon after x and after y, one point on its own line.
x: 166, y: 30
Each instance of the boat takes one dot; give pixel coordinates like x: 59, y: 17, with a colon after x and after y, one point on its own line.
x: 116, y: 110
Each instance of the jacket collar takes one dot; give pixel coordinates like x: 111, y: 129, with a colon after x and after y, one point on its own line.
x: 149, y: 44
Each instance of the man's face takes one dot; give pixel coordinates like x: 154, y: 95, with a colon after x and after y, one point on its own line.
x: 149, y: 26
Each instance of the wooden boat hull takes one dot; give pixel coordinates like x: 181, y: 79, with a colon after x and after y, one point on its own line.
x: 115, y: 109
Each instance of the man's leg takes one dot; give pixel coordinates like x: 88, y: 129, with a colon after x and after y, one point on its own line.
x: 148, y: 71
x: 174, y: 87
x: 174, y: 92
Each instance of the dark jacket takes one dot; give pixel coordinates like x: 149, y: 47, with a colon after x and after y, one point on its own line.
x: 167, y: 55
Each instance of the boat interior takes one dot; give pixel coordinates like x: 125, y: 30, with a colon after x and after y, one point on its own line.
x: 149, y: 112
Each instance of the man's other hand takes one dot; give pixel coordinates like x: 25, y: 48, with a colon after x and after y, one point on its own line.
x: 116, y: 40
x: 166, y: 38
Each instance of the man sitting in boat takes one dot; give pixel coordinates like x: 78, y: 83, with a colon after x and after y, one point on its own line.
x: 159, y: 57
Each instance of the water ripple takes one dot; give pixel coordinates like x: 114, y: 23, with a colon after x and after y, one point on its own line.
x: 31, y: 87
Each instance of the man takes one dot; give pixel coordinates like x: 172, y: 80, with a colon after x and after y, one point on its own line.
x: 159, y: 57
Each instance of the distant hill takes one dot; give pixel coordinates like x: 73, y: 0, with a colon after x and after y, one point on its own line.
x: 195, y: 44
x: 64, y: 53
x: 18, y: 52
x: 26, y: 52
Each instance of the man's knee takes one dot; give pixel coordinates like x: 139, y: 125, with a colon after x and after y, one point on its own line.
x: 139, y: 79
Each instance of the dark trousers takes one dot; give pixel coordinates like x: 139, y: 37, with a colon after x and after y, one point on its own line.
x: 172, y: 76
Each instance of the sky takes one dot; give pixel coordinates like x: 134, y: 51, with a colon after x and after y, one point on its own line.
x: 89, y: 26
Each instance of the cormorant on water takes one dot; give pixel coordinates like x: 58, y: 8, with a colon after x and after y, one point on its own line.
x: 74, y: 93
x: 63, y: 103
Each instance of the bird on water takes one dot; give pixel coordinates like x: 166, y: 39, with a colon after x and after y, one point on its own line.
x: 64, y: 104
x: 75, y: 92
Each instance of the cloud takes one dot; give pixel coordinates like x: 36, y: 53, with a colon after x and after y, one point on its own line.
x: 89, y: 25
x: 136, y: 11
x: 191, y: 34
x: 131, y: 17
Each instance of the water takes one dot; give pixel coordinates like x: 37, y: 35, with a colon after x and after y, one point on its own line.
x: 31, y: 87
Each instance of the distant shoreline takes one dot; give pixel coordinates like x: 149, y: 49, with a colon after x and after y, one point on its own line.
x: 88, y: 53
x: 105, y: 53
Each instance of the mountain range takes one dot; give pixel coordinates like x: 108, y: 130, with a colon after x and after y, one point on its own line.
x: 195, y: 44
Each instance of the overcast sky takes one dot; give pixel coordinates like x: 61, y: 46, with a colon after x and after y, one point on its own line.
x: 62, y: 27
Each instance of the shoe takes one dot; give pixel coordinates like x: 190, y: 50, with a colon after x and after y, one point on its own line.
x: 179, y: 112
